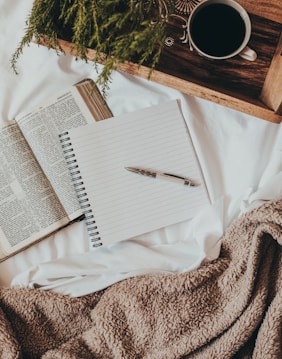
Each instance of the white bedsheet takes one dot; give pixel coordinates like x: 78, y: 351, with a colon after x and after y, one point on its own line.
x: 240, y: 156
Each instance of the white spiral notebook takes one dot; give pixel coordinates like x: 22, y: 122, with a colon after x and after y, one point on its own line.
x: 119, y: 204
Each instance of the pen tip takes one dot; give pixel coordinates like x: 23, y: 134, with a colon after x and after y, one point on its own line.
x: 132, y: 169
x: 129, y: 169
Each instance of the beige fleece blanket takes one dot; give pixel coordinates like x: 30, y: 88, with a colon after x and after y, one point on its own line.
x: 230, y: 308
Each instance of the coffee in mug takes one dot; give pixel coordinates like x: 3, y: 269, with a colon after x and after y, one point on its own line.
x: 220, y: 29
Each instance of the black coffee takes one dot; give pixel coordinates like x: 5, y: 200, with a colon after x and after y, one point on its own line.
x: 218, y: 30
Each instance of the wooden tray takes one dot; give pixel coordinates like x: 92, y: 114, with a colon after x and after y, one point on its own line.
x: 251, y: 87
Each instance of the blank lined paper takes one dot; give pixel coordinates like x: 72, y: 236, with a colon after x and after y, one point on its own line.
x: 125, y: 204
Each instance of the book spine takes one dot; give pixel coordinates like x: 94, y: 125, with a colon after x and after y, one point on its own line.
x: 80, y: 189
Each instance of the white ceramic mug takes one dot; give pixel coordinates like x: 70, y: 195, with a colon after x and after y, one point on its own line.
x: 220, y: 29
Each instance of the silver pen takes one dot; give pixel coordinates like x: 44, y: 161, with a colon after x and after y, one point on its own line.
x: 162, y: 175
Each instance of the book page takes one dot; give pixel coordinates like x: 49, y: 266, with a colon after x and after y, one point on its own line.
x: 29, y: 209
x: 125, y: 204
x: 41, y: 128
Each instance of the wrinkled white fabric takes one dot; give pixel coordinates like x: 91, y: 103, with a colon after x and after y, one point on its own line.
x: 176, y: 248
x: 270, y: 184
x: 236, y: 151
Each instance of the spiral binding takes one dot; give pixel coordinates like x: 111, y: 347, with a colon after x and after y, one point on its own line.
x: 80, y: 190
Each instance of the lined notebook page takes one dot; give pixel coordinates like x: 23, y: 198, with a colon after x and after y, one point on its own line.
x: 125, y: 204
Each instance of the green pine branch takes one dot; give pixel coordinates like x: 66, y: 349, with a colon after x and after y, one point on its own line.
x: 124, y: 30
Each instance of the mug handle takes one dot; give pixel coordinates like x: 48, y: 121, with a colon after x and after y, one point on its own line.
x: 248, y: 54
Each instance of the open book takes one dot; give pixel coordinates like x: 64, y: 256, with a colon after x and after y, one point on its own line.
x: 36, y: 193
x: 119, y: 204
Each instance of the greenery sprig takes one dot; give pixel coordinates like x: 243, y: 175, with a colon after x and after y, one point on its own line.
x: 124, y: 30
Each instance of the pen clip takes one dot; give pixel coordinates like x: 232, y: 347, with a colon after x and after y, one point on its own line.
x: 172, y: 175
x: 186, y: 181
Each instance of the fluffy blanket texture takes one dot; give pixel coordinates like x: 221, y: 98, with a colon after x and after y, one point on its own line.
x: 229, y: 308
